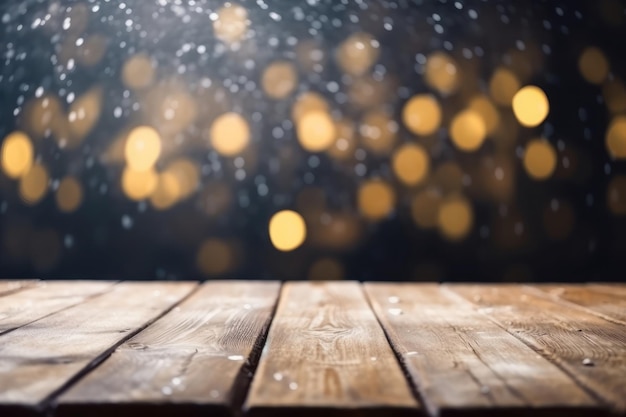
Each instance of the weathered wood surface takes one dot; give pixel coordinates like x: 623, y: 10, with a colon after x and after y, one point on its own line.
x: 462, y: 363
x: 326, y: 353
x: 610, y: 305
x: 590, y: 349
x: 195, y: 360
x: 23, y: 307
x: 39, y: 359
x: 8, y: 286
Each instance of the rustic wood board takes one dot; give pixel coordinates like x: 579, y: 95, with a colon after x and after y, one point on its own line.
x: 610, y: 305
x: 9, y: 286
x: 39, y: 359
x: 195, y: 360
x: 326, y: 354
x: 23, y: 307
x: 590, y: 349
x: 464, y: 364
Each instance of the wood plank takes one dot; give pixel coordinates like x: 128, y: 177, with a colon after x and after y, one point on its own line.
x: 193, y: 361
x: 326, y: 353
x: 24, y: 307
x: 589, y: 348
x: 9, y: 286
x: 610, y: 305
x: 39, y: 359
x: 464, y: 364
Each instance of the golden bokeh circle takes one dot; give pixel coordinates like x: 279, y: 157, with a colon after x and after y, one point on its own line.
x: 287, y: 230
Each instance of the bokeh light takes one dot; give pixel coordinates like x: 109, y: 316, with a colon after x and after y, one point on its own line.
x: 69, y: 195
x: 468, y: 130
x: 593, y: 65
x: 143, y: 147
x: 539, y: 159
x: 455, y: 218
x: 531, y: 106
x: 376, y: 199
x: 422, y: 114
x: 316, y: 131
x: 411, y: 164
x: 34, y: 184
x: 17, y: 155
x: 287, y: 230
x: 230, y: 134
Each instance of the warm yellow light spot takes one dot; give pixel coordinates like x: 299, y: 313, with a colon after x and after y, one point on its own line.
x: 539, y: 159
x: 231, y: 24
x: 422, y: 114
x: 43, y: 116
x: 279, y: 79
x: 230, y: 134
x: 442, y: 73
x: 214, y: 257
x: 139, y: 185
x: 138, y: 72
x: 143, y: 147
x: 308, y: 102
x: 316, y: 131
x: 455, y: 218
x: 468, y: 130
x: 187, y: 174
x: 376, y: 199
x: 487, y: 111
x: 531, y: 106
x: 378, y: 132
x: 326, y: 269
x: 358, y: 53
x: 17, y: 154
x: 425, y: 208
x: 83, y: 115
x: 166, y: 193
x: 411, y: 164
x: 614, y: 93
x: 33, y: 185
x: 616, y: 137
x: 593, y: 65
x: 616, y: 195
x: 345, y: 140
x: 287, y: 230
x: 69, y: 195
x: 503, y: 86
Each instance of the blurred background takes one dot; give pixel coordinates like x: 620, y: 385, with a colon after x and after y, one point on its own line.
x: 319, y: 139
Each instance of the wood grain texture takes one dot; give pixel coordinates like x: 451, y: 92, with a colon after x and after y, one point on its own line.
x: 23, y: 307
x: 9, y: 286
x: 590, y: 349
x: 193, y: 361
x: 40, y: 358
x: 610, y: 305
x: 464, y: 364
x: 326, y: 354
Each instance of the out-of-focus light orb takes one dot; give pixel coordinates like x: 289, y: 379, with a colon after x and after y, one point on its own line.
x: 316, y: 131
x: 455, y: 218
x: 441, y: 73
x: 231, y: 23
x: 376, y: 199
x: 616, y: 195
x: 279, y: 79
x: 33, y: 185
x: 326, y: 269
x: 468, y: 130
x: 614, y: 93
x: 411, y: 164
x: 422, y: 114
x: 230, y: 134
x: 139, y: 185
x: 539, y: 159
x: 69, y: 195
x: 83, y: 115
x: 616, y: 137
x: 358, y: 53
x: 503, y: 86
x: 187, y: 174
x: 44, y: 115
x: 425, y: 208
x: 214, y: 257
x: 308, y: 102
x: 531, y: 106
x: 143, y: 147
x: 378, y: 131
x: 487, y: 111
x: 287, y: 230
x: 166, y: 193
x: 17, y: 155
x: 345, y: 141
x: 593, y: 65
x: 138, y: 72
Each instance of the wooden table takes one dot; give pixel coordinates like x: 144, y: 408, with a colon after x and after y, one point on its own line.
x: 88, y: 348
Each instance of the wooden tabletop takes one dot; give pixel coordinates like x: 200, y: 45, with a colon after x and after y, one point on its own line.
x: 232, y: 348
